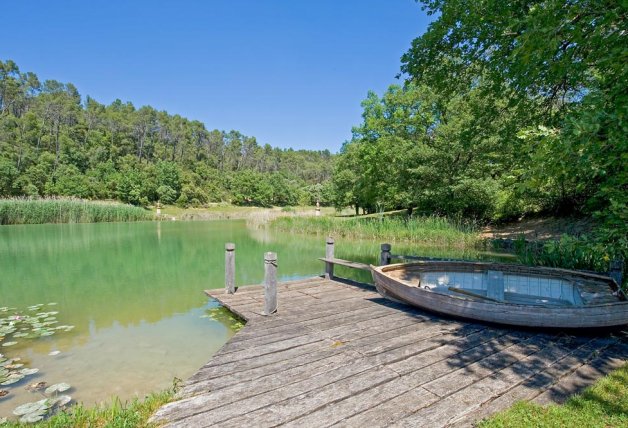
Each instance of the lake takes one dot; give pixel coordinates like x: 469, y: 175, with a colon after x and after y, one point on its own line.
x: 134, y: 292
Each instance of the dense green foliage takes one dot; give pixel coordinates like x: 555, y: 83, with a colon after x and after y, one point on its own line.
x: 38, y: 211
x: 53, y: 143
x: 507, y: 109
x: 437, y: 231
x: 605, y: 404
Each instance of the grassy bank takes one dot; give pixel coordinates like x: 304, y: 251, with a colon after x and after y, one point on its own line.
x: 113, y: 415
x: 37, y: 211
x: 605, y: 404
x: 224, y: 211
x: 421, y: 230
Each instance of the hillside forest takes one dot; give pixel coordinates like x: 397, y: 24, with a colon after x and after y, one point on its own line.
x: 55, y: 143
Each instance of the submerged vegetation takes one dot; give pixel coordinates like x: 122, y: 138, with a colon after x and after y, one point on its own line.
x: 59, y: 210
x: 16, y: 326
x: 605, y: 404
x: 437, y: 231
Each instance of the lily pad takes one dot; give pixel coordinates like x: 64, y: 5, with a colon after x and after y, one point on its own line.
x: 9, y: 343
x: 31, y: 418
x: 53, y: 353
x: 14, y: 366
x: 34, y: 407
x: 61, y: 400
x: 58, y: 387
x: 12, y: 378
x: 28, y: 372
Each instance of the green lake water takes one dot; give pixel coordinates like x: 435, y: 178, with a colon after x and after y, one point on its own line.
x: 134, y: 292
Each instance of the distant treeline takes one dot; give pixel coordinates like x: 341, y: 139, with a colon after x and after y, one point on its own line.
x: 54, y: 143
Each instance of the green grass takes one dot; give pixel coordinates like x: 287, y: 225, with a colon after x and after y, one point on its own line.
x: 421, y: 230
x: 603, y: 405
x: 112, y: 415
x: 53, y: 210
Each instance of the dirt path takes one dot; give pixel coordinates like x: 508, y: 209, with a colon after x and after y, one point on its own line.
x: 540, y: 228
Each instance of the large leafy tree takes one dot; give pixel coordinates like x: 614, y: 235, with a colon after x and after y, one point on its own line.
x: 565, y: 59
x: 439, y: 153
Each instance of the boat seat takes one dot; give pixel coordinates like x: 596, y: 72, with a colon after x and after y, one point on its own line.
x: 495, y: 284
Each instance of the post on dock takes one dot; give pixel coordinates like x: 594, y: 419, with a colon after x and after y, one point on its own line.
x: 615, y: 270
x: 230, y: 267
x: 385, y: 257
x: 329, y: 254
x: 270, y: 283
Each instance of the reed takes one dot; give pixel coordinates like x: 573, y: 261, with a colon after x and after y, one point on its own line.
x: 62, y: 210
x: 432, y: 230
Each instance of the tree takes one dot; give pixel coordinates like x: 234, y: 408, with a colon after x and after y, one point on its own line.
x: 567, y: 61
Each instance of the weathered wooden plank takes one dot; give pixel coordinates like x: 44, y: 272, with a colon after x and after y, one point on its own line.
x: 448, y: 354
x: 330, y: 261
x: 464, y: 401
x: 212, y: 399
x: 285, y: 411
x: 328, y: 328
x: 203, y: 417
x: 386, y: 412
x: 463, y: 377
x: 549, y: 373
x: 211, y: 370
x: 584, y: 376
x: 307, y: 361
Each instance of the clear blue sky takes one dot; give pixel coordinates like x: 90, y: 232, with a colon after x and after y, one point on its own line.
x: 292, y: 73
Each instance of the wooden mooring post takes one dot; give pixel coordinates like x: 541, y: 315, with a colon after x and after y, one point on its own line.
x: 270, y: 283
x: 230, y: 267
x: 385, y: 257
x: 615, y: 270
x: 329, y: 254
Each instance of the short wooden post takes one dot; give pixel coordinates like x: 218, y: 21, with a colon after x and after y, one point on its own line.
x: 270, y: 283
x: 230, y: 267
x: 384, y: 257
x: 616, y: 270
x: 329, y: 254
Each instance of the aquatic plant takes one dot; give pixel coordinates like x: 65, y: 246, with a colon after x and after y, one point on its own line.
x: 429, y: 230
x: 17, y: 326
x: 64, y: 210
x: 225, y: 317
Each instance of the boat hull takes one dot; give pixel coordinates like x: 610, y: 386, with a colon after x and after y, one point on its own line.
x: 585, y: 316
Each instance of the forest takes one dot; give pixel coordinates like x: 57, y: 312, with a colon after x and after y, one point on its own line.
x: 55, y: 143
x: 503, y: 111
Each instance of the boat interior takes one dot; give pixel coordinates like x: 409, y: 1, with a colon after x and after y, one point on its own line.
x: 507, y: 287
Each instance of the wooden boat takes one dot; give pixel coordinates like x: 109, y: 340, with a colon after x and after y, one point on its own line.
x: 506, y: 294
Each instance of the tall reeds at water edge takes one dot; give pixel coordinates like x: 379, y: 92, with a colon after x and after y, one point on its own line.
x: 432, y: 230
x: 61, y: 210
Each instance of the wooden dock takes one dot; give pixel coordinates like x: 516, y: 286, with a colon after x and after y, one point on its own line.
x: 338, y: 354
